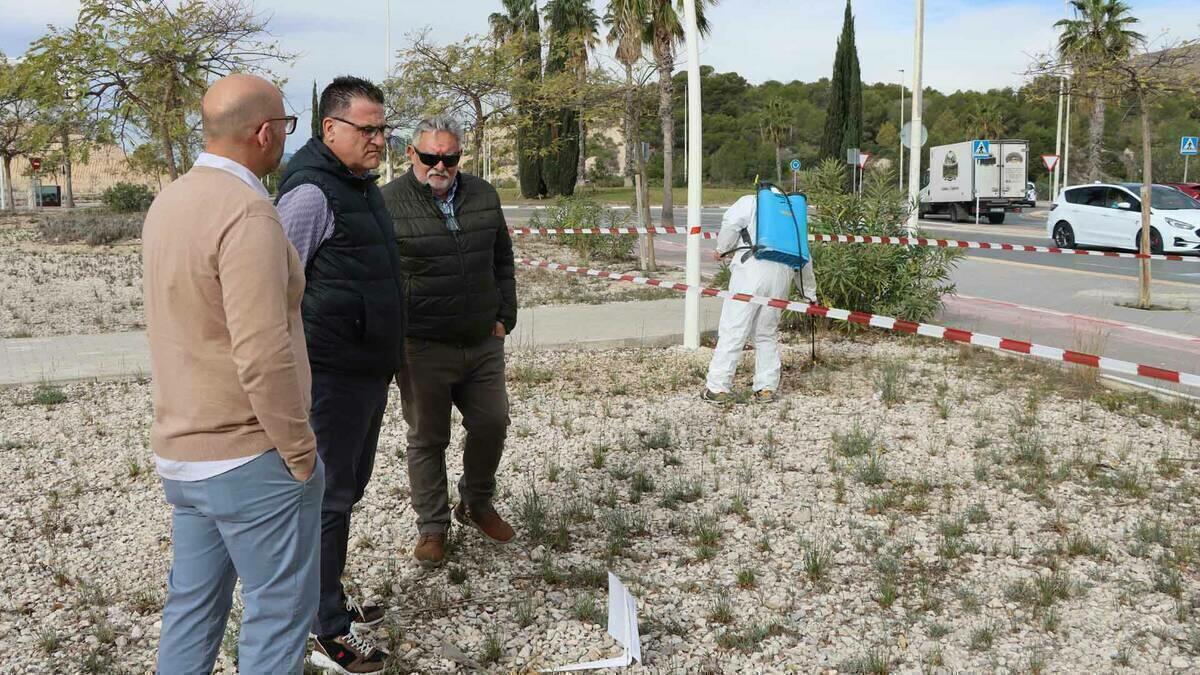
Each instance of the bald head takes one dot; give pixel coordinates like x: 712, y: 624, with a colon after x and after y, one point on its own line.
x: 235, y: 106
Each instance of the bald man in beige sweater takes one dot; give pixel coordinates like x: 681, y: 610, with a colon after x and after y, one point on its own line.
x: 231, y: 395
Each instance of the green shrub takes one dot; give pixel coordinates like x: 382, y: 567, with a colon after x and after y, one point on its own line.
x: 127, y: 198
x: 580, y: 212
x: 905, y: 282
x: 95, y: 229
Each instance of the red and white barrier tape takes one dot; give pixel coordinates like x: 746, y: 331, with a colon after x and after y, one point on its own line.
x: 951, y: 243
x: 899, y: 325
x: 869, y: 239
x: 610, y: 230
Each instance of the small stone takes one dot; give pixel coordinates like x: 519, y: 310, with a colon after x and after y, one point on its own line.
x: 537, y: 553
x: 1180, y: 662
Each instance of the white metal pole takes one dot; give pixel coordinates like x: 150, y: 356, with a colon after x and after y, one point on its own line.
x: 686, y: 140
x: 1062, y: 87
x: 1185, y: 166
x: 387, y: 73
x: 1066, y: 160
x: 691, y: 308
x: 914, y: 161
x: 3, y: 191
x: 900, y: 166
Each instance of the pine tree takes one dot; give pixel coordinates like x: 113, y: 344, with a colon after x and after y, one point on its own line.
x: 843, y: 119
x: 317, y: 131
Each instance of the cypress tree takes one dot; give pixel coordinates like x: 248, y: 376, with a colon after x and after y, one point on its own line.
x: 317, y: 132
x: 531, y: 127
x: 843, y: 118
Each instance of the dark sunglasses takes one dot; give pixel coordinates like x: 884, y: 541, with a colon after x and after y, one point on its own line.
x: 433, y: 160
x: 291, y: 122
x: 367, y: 130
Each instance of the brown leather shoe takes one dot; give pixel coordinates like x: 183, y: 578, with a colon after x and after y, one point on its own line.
x: 430, y: 550
x: 486, y: 520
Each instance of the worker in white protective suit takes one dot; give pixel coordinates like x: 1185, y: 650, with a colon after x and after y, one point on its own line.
x: 741, y: 321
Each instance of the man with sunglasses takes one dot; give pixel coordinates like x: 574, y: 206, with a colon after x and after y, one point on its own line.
x: 333, y: 213
x: 457, y: 258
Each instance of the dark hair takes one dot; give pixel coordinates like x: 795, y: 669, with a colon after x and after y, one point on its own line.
x: 337, y: 96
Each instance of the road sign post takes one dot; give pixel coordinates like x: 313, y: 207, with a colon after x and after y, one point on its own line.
x: 795, y: 166
x: 980, y: 150
x: 1188, y: 146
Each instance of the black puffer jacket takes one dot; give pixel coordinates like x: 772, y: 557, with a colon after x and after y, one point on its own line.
x: 459, y: 284
x: 353, y: 305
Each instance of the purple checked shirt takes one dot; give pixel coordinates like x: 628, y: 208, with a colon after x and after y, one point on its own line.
x: 307, y: 219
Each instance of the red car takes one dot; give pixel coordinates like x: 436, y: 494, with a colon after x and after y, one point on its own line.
x: 1190, y: 189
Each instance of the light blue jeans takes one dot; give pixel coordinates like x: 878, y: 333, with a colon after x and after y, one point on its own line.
x: 258, y: 523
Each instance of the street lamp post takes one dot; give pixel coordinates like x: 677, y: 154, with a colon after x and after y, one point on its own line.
x: 387, y: 72
x: 914, y: 161
x: 691, y: 307
x: 900, y: 166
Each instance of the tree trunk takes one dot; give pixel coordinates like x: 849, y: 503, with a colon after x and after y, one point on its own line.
x: 581, y: 170
x: 667, y: 118
x: 630, y: 130
x: 477, y: 140
x: 68, y: 200
x: 169, y: 153
x: 9, y: 205
x: 778, y: 165
x: 1147, y: 178
x: 651, y: 263
x: 1096, y: 142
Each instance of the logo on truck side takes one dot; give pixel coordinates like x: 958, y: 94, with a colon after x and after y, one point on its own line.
x: 950, y: 167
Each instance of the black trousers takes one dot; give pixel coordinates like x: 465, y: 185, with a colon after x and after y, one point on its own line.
x: 347, y: 411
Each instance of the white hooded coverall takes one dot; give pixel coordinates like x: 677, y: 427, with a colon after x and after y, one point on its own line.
x: 742, y: 320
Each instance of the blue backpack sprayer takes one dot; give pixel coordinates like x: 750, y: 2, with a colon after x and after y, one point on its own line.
x: 781, y: 228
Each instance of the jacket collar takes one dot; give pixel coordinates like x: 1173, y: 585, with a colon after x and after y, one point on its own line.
x: 316, y: 155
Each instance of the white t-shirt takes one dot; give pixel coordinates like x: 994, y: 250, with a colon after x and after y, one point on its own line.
x: 193, y: 471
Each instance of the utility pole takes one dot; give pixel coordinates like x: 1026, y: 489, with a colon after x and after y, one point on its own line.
x: 387, y: 73
x: 914, y: 161
x: 900, y: 166
x: 1066, y: 160
x: 691, y: 307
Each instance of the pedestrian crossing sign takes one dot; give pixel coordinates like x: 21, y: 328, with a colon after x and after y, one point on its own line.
x: 1188, y: 145
x: 981, y: 149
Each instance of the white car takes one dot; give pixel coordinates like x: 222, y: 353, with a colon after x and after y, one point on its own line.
x: 1109, y: 215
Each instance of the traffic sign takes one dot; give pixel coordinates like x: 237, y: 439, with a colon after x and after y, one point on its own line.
x: 795, y: 165
x: 981, y: 149
x: 862, y: 159
x: 1188, y: 145
x: 906, y: 135
x: 1050, y: 161
x: 35, y: 163
x: 852, y: 156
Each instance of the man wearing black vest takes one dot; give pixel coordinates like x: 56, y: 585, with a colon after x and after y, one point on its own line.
x: 353, y: 311
x: 457, y: 259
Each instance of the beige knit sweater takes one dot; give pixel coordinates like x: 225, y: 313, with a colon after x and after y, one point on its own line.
x: 222, y: 294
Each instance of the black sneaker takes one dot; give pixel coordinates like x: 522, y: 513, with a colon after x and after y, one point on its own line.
x: 347, y: 654
x: 362, y: 616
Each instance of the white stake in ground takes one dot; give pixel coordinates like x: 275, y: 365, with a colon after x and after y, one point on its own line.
x: 691, y: 306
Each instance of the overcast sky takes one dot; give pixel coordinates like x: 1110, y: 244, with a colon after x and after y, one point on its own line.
x: 969, y: 44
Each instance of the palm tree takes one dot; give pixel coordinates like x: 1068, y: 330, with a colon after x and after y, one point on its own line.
x: 663, y: 34
x: 519, y: 21
x: 574, y: 29
x: 626, y: 21
x: 776, y: 129
x: 986, y: 120
x: 1101, y: 33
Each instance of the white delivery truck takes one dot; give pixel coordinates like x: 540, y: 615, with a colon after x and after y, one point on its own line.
x: 955, y: 183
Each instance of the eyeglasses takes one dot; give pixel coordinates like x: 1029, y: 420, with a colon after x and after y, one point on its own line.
x: 433, y: 160
x: 291, y: 123
x: 368, y: 131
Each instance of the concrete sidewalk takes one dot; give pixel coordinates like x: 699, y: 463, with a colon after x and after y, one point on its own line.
x: 70, y: 358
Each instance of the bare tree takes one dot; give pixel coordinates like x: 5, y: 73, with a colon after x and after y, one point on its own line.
x: 146, y: 63
x: 19, y: 132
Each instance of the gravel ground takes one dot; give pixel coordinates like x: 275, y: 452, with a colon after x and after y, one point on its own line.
x: 904, y: 506
x: 75, y: 289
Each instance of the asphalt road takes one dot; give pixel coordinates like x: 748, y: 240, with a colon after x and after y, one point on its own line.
x: 1026, y: 228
